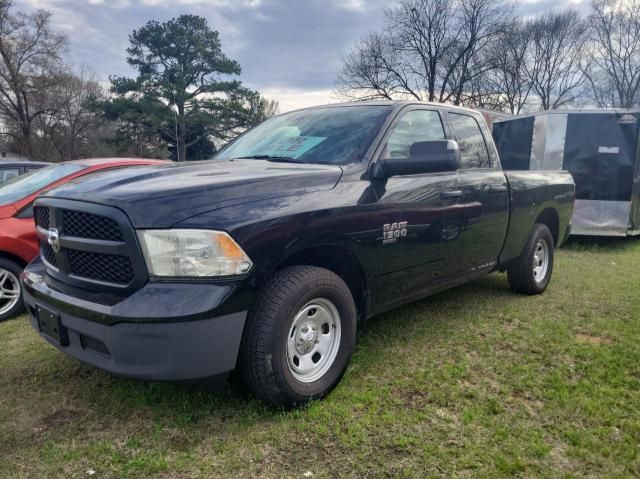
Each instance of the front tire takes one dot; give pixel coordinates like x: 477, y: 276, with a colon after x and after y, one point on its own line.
x: 299, y: 336
x: 531, y: 272
x: 10, y: 289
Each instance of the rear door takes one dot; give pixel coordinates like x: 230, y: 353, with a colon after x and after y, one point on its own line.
x: 486, y: 201
x: 421, y: 213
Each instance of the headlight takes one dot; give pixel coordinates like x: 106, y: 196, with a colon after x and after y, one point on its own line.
x: 194, y: 253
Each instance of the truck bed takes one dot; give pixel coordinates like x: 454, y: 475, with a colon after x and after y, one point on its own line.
x: 536, y: 193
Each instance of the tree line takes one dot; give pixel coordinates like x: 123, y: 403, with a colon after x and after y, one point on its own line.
x: 185, y: 101
x: 481, y: 53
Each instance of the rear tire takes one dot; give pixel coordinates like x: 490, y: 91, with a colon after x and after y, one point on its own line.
x: 531, y: 272
x: 10, y: 289
x: 299, y: 336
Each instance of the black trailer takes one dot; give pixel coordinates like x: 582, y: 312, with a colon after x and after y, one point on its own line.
x: 599, y: 148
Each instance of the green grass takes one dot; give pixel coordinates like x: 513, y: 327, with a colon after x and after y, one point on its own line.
x: 474, y: 382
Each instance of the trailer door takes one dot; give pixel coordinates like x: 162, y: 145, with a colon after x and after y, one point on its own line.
x: 600, y: 152
x: 634, y: 228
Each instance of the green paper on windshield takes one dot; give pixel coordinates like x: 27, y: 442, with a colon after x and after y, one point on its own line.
x: 288, y: 146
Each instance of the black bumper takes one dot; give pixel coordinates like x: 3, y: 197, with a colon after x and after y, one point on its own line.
x: 164, y: 331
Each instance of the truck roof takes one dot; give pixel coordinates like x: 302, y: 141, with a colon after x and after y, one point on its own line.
x: 390, y: 103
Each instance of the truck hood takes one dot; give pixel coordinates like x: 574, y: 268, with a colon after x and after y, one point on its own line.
x: 161, y: 196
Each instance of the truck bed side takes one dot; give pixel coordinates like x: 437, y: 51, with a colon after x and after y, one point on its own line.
x: 537, y: 196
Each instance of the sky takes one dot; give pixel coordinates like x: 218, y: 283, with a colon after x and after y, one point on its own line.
x: 289, y: 50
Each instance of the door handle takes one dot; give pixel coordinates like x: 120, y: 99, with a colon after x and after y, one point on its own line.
x: 451, y: 194
x: 497, y: 189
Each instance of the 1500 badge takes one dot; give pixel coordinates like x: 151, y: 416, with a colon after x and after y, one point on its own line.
x: 392, y: 231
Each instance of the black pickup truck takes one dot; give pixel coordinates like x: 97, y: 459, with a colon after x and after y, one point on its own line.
x: 268, y: 257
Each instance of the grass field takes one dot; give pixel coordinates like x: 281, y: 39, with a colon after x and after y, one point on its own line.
x: 476, y: 382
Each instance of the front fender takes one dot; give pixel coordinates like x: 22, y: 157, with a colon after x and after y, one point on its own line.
x: 273, y: 230
x: 18, y: 238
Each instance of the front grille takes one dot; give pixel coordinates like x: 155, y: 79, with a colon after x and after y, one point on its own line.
x: 114, y: 264
x: 87, y: 225
x: 101, y: 267
x: 42, y: 216
x: 48, y: 254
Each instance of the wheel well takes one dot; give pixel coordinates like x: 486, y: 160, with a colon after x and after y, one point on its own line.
x: 343, y: 263
x: 14, y: 258
x: 549, y: 218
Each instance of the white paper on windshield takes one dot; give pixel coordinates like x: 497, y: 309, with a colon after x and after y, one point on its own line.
x: 291, y: 147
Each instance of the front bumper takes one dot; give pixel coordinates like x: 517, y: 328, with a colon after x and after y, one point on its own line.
x: 164, y: 331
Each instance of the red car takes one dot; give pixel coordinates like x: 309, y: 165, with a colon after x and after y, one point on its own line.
x: 18, y: 241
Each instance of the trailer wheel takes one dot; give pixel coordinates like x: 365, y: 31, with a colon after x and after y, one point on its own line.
x: 10, y: 289
x: 531, y: 272
x: 299, y: 336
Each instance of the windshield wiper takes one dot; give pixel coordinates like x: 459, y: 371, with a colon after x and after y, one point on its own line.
x: 276, y: 159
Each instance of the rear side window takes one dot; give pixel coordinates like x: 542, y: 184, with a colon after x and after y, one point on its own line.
x: 414, y: 126
x: 7, y: 173
x: 473, y: 149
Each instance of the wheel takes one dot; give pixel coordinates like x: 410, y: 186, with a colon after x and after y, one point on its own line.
x: 298, y: 337
x: 531, y: 272
x: 10, y: 289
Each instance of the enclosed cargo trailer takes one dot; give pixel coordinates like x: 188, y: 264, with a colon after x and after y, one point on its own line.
x: 599, y: 148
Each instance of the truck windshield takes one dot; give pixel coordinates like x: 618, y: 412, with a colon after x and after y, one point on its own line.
x: 330, y: 135
x: 22, y: 186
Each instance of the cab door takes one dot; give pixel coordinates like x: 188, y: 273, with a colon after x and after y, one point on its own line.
x: 422, y: 213
x: 485, y: 195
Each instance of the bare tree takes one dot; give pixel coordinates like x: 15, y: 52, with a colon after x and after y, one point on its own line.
x: 614, y: 69
x: 376, y: 68
x: 77, y: 131
x: 74, y: 128
x: 428, y: 50
x: 424, y: 38
x: 30, y: 63
x: 557, y: 46
x: 508, y: 85
x: 481, y: 22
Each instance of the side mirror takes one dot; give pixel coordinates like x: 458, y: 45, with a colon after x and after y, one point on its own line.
x: 424, y: 157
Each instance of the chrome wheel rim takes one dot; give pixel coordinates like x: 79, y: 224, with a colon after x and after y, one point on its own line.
x: 540, y: 261
x: 313, y: 340
x: 9, y: 291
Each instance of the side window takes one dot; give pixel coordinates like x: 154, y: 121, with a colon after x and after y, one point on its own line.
x: 473, y: 149
x: 7, y: 173
x: 414, y: 126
